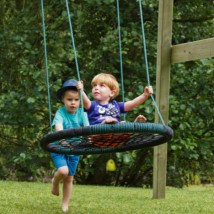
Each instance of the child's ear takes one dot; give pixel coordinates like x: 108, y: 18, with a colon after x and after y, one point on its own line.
x: 113, y: 92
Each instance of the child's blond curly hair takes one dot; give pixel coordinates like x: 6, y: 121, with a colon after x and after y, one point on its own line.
x: 108, y: 80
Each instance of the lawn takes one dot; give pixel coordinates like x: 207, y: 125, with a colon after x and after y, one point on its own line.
x: 35, y: 198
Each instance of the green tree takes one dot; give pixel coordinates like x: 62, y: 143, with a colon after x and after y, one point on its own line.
x: 24, y: 113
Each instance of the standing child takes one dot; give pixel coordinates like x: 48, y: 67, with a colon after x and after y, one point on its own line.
x: 68, y: 116
x: 105, y: 109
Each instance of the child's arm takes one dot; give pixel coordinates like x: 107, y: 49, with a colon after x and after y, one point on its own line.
x: 58, y: 127
x: 129, y: 105
x: 86, y: 100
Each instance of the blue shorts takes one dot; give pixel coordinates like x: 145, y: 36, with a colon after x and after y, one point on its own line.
x: 71, y: 161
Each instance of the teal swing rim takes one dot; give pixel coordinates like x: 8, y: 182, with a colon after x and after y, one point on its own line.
x: 141, y: 135
x: 156, y: 133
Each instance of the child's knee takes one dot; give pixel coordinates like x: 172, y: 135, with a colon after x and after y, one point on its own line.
x: 63, y: 171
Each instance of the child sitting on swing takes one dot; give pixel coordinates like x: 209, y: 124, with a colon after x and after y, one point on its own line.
x: 105, y: 109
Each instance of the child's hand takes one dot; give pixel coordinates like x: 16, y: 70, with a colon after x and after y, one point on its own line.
x: 148, y: 90
x: 80, y: 85
x: 140, y: 118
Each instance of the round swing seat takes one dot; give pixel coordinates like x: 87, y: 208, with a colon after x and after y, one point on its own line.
x: 107, y: 138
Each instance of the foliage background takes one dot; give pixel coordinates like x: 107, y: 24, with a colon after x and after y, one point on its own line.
x: 24, y: 113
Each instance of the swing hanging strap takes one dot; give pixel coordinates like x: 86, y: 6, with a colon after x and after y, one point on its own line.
x: 120, y: 53
x: 76, y: 61
x: 46, y: 64
x: 145, y: 56
x: 146, y: 60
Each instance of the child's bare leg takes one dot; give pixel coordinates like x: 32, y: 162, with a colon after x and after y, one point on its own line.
x: 58, y: 176
x: 67, y: 190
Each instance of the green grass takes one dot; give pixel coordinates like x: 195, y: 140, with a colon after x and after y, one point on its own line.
x: 35, y: 198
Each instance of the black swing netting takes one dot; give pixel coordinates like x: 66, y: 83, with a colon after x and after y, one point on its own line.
x: 107, y: 138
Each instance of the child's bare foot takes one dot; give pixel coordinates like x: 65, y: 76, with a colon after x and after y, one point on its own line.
x: 64, y: 208
x: 140, y: 118
x: 55, y: 188
x: 110, y: 120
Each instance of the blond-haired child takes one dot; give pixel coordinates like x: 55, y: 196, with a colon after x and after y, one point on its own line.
x: 104, y: 109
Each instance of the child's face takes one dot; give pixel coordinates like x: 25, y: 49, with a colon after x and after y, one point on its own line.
x: 102, y: 93
x: 71, y: 101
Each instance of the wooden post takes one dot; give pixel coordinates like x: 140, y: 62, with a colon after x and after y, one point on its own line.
x: 162, y: 91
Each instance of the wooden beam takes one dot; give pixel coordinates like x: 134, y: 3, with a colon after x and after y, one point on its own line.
x: 162, y: 91
x: 192, y: 51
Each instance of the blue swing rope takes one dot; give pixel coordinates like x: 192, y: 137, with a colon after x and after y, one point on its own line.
x: 146, y: 61
x: 46, y: 64
x: 46, y: 61
x: 145, y: 56
x: 75, y: 57
x: 121, y: 57
x: 72, y: 40
x: 76, y: 61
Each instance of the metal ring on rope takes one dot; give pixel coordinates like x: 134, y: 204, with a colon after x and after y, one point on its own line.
x: 107, y: 138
